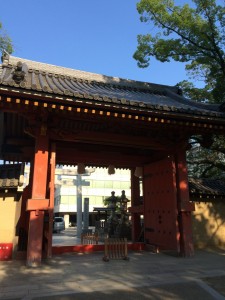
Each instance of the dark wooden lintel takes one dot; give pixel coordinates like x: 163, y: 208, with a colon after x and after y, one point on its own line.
x: 107, y: 138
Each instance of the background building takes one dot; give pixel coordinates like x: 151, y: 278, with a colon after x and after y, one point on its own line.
x: 96, y: 185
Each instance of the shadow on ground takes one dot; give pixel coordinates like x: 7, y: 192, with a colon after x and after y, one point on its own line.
x: 184, y: 291
x: 217, y: 283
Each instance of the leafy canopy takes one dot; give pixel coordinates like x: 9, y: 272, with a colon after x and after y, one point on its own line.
x: 194, y: 35
x: 5, y: 41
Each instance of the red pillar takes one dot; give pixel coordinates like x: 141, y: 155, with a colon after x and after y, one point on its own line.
x: 185, y: 207
x: 51, y: 199
x: 135, y: 202
x: 38, y: 203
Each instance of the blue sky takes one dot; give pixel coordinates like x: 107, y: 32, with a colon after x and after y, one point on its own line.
x: 97, y: 36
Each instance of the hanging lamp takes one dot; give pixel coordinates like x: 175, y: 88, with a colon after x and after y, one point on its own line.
x: 81, y: 168
x: 138, y: 172
x: 111, y: 169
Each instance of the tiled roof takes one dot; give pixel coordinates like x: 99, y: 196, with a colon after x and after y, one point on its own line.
x: 26, y: 75
x: 11, y: 176
x: 207, y: 187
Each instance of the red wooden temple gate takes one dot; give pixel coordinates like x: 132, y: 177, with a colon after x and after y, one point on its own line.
x: 51, y: 115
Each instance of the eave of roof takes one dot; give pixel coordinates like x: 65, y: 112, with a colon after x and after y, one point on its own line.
x: 25, y: 76
x: 11, y: 176
x: 206, y: 188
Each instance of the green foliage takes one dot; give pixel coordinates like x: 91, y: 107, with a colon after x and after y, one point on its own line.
x: 205, y: 161
x: 106, y: 200
x: 196, y: 94
x: 5, y: 41
x: 194, y: 35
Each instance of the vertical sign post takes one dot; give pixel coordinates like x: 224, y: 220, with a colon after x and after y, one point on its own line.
x: 86, y: 213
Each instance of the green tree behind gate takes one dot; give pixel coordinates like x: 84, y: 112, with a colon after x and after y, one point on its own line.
x: 194, y: 35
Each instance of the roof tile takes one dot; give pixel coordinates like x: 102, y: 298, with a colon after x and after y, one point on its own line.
x: 74, y: 83
x: 10, y: 175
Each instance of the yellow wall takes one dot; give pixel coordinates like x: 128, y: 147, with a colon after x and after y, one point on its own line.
x: 209, y: 225
x: 9, y: 216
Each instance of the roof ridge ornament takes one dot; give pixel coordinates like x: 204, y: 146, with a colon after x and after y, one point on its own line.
x: 19, y: 73
x: 5, y: 57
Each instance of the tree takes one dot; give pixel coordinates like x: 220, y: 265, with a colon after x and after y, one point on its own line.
x: 5, y: 41
x: 194, y: 35
x: 207, y: 162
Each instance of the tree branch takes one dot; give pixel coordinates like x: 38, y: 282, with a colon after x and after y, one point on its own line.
x: 181, y: 35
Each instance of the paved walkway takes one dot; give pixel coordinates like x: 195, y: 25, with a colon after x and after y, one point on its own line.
x: 144, y: 276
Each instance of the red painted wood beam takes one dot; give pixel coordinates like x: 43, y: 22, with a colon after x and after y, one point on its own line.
x: 38, y: 203
x: 51, y: 202
x: 56, y: 250
x: 185, y: 207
